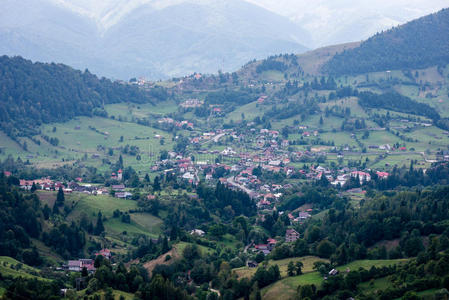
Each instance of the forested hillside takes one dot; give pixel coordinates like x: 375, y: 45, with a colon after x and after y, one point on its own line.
x: 36, y: 93
x: 418, y: 44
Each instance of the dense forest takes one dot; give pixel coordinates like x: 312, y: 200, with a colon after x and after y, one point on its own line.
x: 397, y: 102
x: 418, y: 44
x: 36, y: 93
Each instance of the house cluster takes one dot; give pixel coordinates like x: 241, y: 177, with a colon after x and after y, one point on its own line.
x: 180, y: 124
x: 302, y: 216
x: 212, y: 136
x: 191, y: 103
x: 87, y: 189
x: 291, y: 235
x: 310, y: 133
x: 47, y: 184
x: 341, y: 176
x: 41, y: 184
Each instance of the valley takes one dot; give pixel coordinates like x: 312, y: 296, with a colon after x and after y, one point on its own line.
x: 321, y: 175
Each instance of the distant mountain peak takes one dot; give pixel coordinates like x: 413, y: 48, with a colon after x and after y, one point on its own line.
x: 151, y: 38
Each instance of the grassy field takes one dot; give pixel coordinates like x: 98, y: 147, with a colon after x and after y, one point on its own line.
x: 77, y: 139
x: 286, y: 288
x: 250, y: 111
x: 375, y: 285
x: 149, y: 222
x: 181, y: 246
x: 14, y: 268
x: 307, y: 261
x: 130, y: 110
x: 141, y: 223
x: 271, y: 76
x: 90, y: 205
x: 101, y: 293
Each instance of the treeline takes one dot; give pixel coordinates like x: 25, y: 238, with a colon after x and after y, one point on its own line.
x: 429, y: 270
x: 22, y: 218
x: 36, y: 93
x: 271, y: 64
x: 226, y: 200
x: 346, y: 234
x: 309, y: 107
x: 320, y: 197
x: 397, y: 102
x: 407, y: 216
x: 279, y: 63
x: 410, y: 177
x: 20, y: 221
x: 418, y: 44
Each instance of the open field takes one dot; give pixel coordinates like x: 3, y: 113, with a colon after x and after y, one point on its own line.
x: 89, y: 139
x: 14, y: 268
x: 286, y: 288
x: 116, y: 293
x: 250, y: 111
x: 308, y: 262
x: 90, y: 205
x: 130, y: 110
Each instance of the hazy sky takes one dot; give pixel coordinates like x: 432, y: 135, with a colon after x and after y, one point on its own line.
x: 326, y: 18
x: 329, y: 21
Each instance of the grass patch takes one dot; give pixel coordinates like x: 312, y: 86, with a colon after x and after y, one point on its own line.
x: 286, y: 288
x: 307, y: 261
x: 14, y: 268
x: 182, y: 245
x: 117, y: 294
x: 147, y: 221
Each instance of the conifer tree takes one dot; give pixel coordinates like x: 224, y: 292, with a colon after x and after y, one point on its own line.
x: 99, y: 228
x: 60, y: 197
x: 55, y: 208
x: 33, y: 187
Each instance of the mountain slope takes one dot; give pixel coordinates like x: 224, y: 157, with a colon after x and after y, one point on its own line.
x: 150, y: 40
x: 36, y: 93
x: 335, y: 22
x: 46, y: 32
x: 201, y: 37
x: 418, y: 44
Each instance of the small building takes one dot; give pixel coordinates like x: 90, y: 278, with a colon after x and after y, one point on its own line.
x: 333, y: 272
x: 106, y: 253
x: 197, y: 232
x: 78, y: 265
x: 303, y: 215
x: 291, y: 235
x: 252, y: 264
x: 118, y: 187
x: 123, y: 195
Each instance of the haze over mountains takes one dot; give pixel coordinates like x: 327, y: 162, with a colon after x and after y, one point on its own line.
x: 159, y: 39
x: 154, y: 41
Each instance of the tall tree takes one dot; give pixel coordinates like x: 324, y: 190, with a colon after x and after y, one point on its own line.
x: 60, y: 197
x: 99, y: 228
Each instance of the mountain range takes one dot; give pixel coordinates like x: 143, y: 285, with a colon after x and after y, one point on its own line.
x: 154, y: 40
x: 158, y: 39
